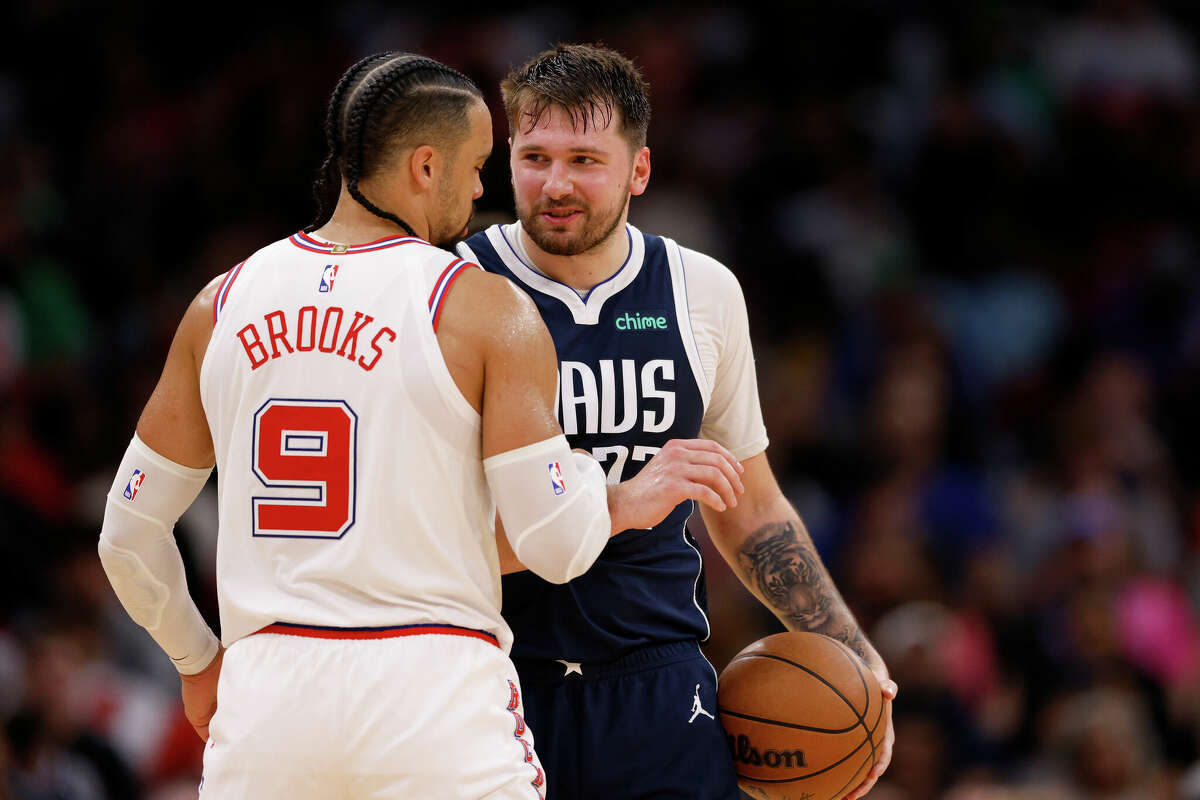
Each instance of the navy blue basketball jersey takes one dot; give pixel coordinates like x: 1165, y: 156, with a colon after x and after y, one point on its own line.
x: 628, y: 383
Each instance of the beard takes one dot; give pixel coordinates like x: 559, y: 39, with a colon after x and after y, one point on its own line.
x: 454, y: 220
x: 452, y: 232
x: 595, y: 228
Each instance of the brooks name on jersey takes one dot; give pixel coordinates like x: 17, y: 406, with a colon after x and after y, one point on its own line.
x: 304, y: 335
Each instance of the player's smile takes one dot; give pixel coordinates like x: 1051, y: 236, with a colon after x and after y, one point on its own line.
x: 561, y: 216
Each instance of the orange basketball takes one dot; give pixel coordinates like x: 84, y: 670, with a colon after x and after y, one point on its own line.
x: 804, y: 717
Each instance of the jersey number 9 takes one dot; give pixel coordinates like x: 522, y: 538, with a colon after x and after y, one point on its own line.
x: 305, y: 456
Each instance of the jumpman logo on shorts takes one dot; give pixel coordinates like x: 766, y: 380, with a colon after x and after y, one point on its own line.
x: 698, y: 709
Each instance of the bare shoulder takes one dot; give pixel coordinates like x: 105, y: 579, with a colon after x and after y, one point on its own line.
x: 204, y: 301
x: 195, y: 328
x: 491, y: 309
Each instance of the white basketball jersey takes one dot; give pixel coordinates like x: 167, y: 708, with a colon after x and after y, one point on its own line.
x: 351, y: 487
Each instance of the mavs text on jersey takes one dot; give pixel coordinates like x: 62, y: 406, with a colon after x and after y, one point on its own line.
x: 633, y: 375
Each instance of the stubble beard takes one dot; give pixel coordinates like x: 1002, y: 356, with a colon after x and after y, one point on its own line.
x: 450, y: 233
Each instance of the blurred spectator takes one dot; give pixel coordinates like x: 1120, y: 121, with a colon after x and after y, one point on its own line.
x: 966, y: 233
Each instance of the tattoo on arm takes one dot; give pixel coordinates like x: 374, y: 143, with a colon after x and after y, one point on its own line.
x: 788, y: 573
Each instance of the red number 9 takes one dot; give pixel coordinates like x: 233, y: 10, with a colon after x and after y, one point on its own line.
x: 305, y: 455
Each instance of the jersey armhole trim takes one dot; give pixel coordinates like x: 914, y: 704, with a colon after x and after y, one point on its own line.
x: 438, y: 296
x: 451, y: 395
x: 684, y: 316
x: 223, y: 291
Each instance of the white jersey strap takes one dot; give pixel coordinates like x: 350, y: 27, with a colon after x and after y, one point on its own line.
x: 442, y: 286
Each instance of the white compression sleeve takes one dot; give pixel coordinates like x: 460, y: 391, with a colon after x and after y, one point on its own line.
x: 554, y: 506
x: 142, y: 561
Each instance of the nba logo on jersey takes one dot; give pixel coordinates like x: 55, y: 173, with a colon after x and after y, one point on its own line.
x: 135, y: 482
x: 556, y: 479
x: 327, y: 276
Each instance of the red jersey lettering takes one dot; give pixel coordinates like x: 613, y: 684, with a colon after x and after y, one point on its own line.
x: 325, y: 326
x: 351, y: 339
x: 254, y: 346
x: 391, y: 334
x: 277, y: 335
x: 310, y: 328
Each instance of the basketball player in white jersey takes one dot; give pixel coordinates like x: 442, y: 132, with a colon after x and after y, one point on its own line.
x: 370, y: 401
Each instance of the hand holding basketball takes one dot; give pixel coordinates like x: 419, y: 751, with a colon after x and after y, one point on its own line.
x: 889, y: 689
x: 805, y: 719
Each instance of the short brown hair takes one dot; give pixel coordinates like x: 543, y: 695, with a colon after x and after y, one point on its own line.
x: 589, y: 82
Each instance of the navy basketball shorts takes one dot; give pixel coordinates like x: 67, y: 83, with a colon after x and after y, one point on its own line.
x: 638, y: 728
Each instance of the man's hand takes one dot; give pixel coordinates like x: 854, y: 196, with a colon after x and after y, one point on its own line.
x: 200, y: 695
x: 889, y: 689
x: 684, y: 469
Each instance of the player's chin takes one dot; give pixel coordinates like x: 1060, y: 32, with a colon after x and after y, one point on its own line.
x: 449, y: 239
x: 555, y: 242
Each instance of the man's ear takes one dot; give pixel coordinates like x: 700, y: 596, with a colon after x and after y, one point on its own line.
x: 641, y: 172
x: 424, y: 165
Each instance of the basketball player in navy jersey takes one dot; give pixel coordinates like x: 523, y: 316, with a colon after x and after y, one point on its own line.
x: 654, y: 351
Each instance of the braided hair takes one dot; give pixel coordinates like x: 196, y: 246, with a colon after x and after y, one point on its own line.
x: 382, y: 105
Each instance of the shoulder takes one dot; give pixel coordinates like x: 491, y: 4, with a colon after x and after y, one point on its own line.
x: 196, y: 327
x: 489, y: 308
x: 201, y: 313
x: 702, y: 267
x: 709, y: 282
x: 202, y: 310
x: 494, y: 298
x: 429, y: 254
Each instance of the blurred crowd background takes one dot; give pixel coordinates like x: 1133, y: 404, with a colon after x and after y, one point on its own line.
x: 967, y: 236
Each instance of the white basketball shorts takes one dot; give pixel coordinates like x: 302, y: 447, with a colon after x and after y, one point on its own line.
x: 430, y: 716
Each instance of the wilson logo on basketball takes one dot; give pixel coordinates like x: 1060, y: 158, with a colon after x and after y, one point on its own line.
x: 746, y: 753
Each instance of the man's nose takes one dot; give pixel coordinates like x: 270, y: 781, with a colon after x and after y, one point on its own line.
x: 558, y: 182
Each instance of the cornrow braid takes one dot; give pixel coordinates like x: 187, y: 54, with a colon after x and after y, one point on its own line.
x: 367, y: 94
x: 384, y: 103
x: 329, y: 177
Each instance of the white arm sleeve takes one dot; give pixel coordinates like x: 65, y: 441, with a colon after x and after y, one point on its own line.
x: 554, y: 505
x: 141, y: 558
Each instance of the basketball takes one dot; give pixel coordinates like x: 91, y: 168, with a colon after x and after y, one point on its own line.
x: 803, y: 715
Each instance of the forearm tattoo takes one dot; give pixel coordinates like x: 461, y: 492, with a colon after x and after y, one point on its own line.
x: 788, y: 573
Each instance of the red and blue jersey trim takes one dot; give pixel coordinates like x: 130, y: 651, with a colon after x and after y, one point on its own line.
x: 390, y: 632
x: 444, y: 282
x: 306, y: 242
x: 223, y: 291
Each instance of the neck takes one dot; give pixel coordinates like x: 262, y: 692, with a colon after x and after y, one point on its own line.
x: 583, y: 271
x: 351, y: 223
